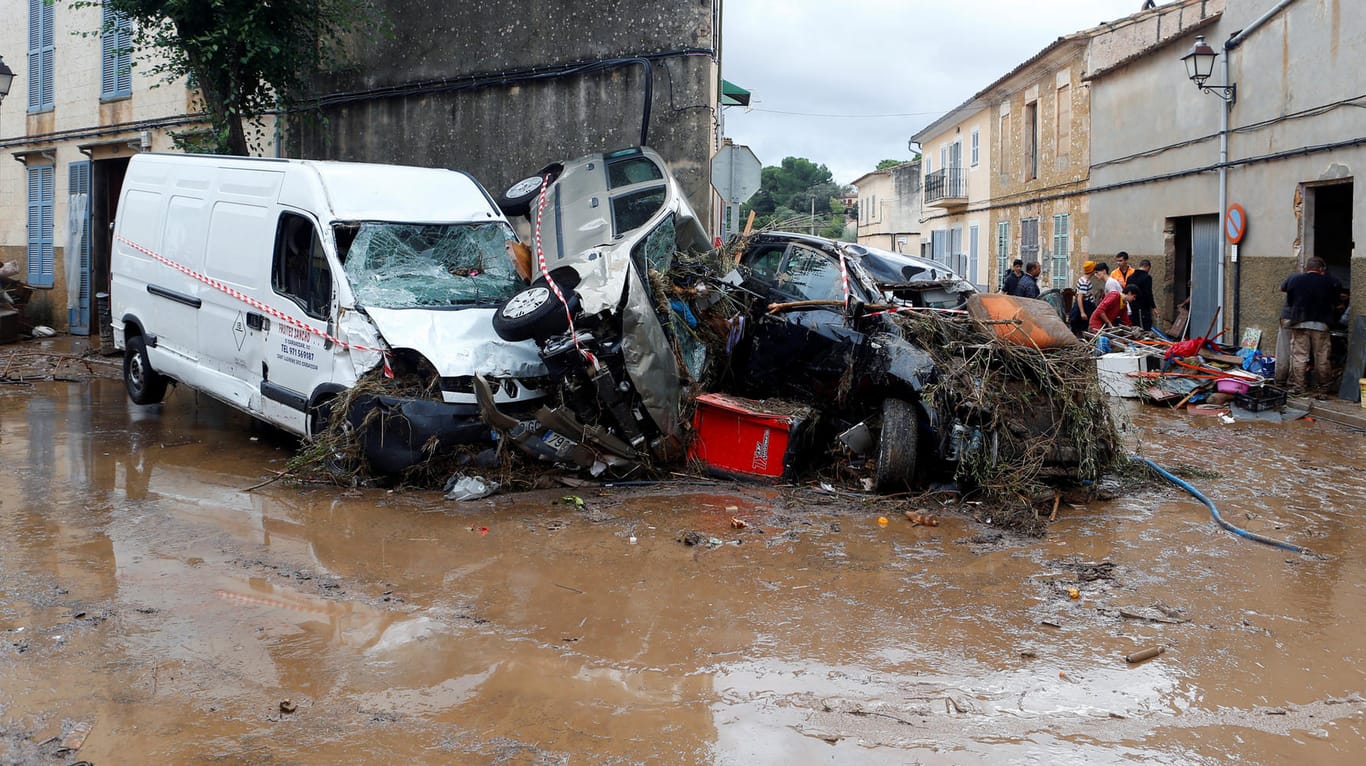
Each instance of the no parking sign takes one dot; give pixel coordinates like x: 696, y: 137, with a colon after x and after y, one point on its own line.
x: 1235, y: 223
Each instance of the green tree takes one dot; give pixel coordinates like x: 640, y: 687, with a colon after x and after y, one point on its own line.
x: 247, y: 57
x: 888, y: 164
x: 798, y: 194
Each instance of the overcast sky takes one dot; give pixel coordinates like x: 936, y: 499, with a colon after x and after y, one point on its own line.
x: 846, y: 83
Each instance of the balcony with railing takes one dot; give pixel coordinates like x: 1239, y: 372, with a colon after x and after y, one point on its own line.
x: 946, y: 188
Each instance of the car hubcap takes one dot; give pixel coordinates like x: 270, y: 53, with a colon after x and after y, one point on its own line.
x: 524, y: 186
x: 526, y: 302
x: 135, y: 372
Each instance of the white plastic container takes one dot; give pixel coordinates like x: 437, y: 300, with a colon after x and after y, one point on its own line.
x: 1114, y: 370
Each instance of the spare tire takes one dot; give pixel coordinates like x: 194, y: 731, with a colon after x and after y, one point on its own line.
x: 517, y: 199
x: 536, y: 313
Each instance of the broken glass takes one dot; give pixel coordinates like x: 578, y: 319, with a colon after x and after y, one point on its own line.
x: 416, y: 265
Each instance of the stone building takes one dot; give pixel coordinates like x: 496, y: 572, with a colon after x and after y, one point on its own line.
x: 889, y: 208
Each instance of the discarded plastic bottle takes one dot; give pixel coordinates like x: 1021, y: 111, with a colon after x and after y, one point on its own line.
x: 1103, y: 344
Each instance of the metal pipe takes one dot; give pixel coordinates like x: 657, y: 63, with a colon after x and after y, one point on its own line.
x: 1242, y: 34
x: 1223, y: 195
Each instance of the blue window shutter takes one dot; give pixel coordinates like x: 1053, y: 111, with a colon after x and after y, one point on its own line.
x: 40, y: 190
x: 40, y: 55
x: 109, y: 38
x: 116, y: 42
x: 125, y: 56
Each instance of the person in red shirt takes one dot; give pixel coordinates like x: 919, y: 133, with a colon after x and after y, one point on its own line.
x: 1111, y: 309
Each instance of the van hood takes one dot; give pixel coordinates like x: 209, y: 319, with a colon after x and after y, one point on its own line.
x: 458, y: 342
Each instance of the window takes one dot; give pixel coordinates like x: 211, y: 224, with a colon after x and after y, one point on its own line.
x: 300, y: 270
x: 411, y: 265
x: 976, y: 142
x: 1003, y: 145
x: 1029, y: 240
x: 973, y: 237
x: 1002, y: 248
x: 1061, y: 275
x: 40, y: 55
x: 1064, y: 130
x: 656, y: 251
x: 116, y: 50
x: 633, y: 170
x: 633, y: 209
x: 40, y: 190
x: 1031, y: 141
x: 763, y: 263
x: 811, y: 276
x: 939, y: 245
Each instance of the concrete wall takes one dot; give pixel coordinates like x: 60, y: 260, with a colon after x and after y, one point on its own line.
x: 481, y: 87
x: 1289, y: 74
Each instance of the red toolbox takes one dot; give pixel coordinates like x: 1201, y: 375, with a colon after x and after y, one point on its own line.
x: 747, y: 439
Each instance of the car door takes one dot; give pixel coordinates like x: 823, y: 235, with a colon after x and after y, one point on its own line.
x: 804, y: 351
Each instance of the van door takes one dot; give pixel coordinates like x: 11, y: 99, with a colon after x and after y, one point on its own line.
x: 297, y: 358
x: 232, y: 326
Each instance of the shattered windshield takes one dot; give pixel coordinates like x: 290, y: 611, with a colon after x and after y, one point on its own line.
x: 419, y: 265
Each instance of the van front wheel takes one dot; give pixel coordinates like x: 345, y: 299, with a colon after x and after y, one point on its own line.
x: 145, y: 385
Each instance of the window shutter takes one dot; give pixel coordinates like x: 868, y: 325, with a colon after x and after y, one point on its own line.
x: 124, y: 69
x: 40, y: 189
x: 108, y: 54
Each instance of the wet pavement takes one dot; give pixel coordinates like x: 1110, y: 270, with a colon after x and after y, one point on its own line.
x: 145, y: 594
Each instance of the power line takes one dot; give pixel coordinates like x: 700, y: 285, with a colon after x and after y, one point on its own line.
x: 844, y: 116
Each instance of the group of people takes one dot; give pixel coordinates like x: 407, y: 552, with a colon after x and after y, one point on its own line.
x: 1104, y: 298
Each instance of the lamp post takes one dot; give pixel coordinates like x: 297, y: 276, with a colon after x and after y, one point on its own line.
x: 6, y: 79
x: 1199, y: 63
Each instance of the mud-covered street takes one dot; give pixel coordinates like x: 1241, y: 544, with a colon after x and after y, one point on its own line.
x: 155, y: 611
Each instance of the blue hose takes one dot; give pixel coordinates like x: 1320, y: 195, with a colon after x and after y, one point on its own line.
x: 1215, y: 511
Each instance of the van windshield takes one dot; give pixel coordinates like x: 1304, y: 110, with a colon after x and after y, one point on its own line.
x: 423, y: 265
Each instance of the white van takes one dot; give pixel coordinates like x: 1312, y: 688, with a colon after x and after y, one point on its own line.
x: 274, y: 285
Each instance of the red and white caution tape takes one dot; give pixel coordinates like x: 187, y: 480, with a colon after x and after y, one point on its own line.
x: 545, y: 272
x: 256, y: 304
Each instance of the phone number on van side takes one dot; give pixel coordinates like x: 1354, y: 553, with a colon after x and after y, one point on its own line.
x: 298, y: 353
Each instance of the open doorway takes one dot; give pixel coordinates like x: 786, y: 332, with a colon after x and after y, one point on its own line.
x: 1328, y: 226
x: 106, y: 182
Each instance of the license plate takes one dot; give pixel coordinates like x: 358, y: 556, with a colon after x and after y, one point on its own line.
x: 556, y: 441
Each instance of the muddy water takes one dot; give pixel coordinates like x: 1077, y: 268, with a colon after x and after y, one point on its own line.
x: 145, y: 593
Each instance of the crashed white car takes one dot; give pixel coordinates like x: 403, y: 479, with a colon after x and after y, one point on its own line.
x: 608, y: 225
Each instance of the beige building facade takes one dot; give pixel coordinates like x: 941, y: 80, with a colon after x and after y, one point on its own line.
x: 889, y: 208
x: 956, y: 162
x: 79, y: 107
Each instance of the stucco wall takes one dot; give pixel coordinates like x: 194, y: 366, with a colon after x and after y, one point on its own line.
x: 1290, y: 74
x: 479, y: 92
x: 78, y: 117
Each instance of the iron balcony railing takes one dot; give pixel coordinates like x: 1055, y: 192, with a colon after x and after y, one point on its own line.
x: 945, y: 183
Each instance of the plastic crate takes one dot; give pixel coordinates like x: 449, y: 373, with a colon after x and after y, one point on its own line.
x: 1260, y: 398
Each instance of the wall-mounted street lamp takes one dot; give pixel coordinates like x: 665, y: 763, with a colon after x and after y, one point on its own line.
x: 6, y: 79
x: 1200, y: 65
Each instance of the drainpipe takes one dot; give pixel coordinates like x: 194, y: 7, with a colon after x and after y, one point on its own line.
x: 1223, y: 206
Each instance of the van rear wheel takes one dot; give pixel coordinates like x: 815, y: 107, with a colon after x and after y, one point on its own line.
x: 145, y: 385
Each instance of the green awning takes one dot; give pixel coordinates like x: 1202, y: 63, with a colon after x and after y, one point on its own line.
x: 733, y: 95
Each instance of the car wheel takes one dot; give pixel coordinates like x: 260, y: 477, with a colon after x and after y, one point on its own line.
x: 898, y: 445
x: 320, y: 415
x: 518, y: 198
x: 145, y: 385
x: 535, y: 312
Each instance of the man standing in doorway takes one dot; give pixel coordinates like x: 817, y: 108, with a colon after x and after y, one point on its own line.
x: 1028, y: 286
x: 1142, y: 308
x: 1012, y: 280
x: 1310, y: 298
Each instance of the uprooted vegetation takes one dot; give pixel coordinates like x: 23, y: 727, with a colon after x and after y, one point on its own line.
x: 1035, y: 419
